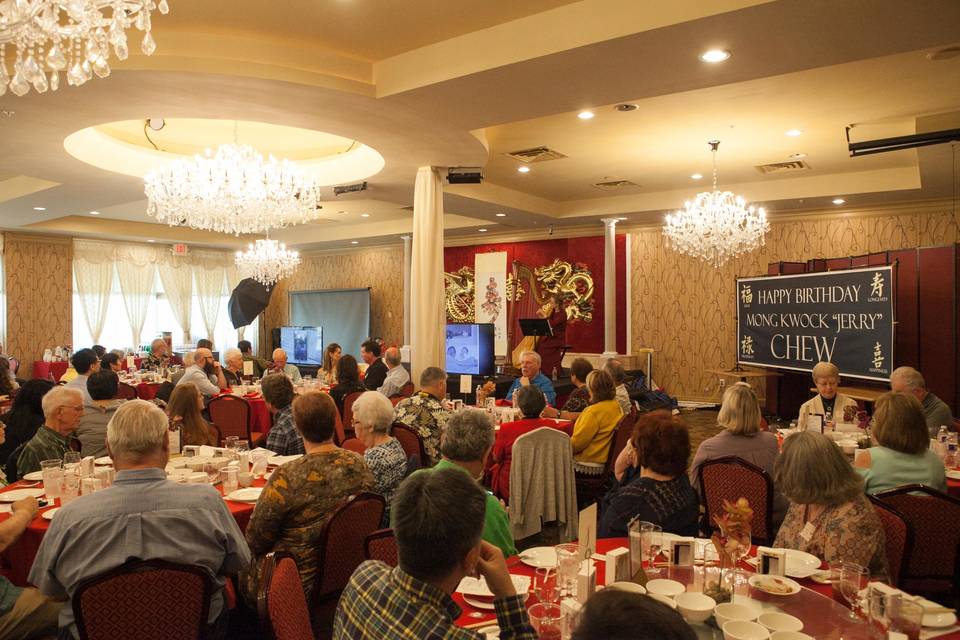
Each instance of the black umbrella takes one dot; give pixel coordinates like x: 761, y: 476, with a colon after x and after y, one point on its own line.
x: 247, y: 301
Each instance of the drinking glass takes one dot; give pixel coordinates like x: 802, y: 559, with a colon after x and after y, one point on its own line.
x: 212, y: 471
x: 71, y: 457
x: 545, y: 585
x: 230, y: 444
x: 877, y: 612
x: 905, y: 617
x: 636, y: 545
x: 852, y: 579
x: 91, y: 485
x: 546, y: 620
x: 52, y: 471
x: 568, y: 563
x: 651, y: 540
x: 105, y: 475
x: 71, y: 483
x: 230, y: 481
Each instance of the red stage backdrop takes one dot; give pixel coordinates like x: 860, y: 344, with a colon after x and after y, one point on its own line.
x: 586, y: 337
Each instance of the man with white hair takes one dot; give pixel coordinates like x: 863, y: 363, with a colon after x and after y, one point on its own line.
x: 280, y: 366
x: 158, y: 354
x: 62, y: 410
x: 233, y: 372
x: 936, y: 411
x: 397, y: 376
x: 205, y: 372
x: 530, y: 374
x: 143, y: 515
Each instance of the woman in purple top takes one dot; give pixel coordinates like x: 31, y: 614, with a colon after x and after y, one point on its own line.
x: 741, y: 437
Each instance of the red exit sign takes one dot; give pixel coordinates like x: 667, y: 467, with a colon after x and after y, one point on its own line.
x: 180, y: 249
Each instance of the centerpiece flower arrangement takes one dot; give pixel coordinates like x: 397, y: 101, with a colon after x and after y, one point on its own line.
x: 732, y: 542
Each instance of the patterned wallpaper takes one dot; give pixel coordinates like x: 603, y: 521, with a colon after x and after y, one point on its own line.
x: 39, y: 287
x: 686, y: 311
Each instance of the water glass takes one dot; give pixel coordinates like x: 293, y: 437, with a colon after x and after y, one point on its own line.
x: 568, y: 563
x: 851, y: 579
x: 71, y: 457
x: 212, y: 471
x: 230, y: 480
x: 105, y: 475
x: 546, y: 620
x: 52, y: 471
x: 91, y: 485
x: 71, y: 484
x: 545, y: 585
x: 906, y: 617
x: 651, y: 540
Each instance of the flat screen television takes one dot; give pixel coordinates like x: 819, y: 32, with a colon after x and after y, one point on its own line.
x: 304, y: 345
x: 469, y: 349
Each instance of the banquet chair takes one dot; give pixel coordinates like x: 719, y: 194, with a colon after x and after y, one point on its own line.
x: 10, y: 469
x: 281, y: 604
x: 126, y: 391
x: 730, y: 478
x: 406, y: 390
x: 232, y: 415
x: 353, y: 444
x: 144, y: 599
x: 338, y: 433
x: 382, y: 545
x: 348, y: 401
x: 898, y: 538
x: 934, y: 562
x: 411, y: 442
x: 591, y: 487
x: 543, y: 486
x: 340, y: 550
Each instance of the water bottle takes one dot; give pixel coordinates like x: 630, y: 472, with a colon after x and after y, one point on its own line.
x: 950, y: 460
x: 943, y: 435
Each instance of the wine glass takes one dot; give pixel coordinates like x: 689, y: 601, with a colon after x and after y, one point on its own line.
x: 853, y: 578
x: 545, y: 585
x: 651, y: 537
x: 212, y: 471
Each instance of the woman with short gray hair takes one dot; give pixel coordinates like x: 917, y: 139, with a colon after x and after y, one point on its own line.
x: 372, y: 417
x: 829, y: 515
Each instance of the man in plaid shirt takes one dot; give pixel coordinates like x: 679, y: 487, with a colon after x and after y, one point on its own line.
x: 437, y: 518
x: 283, y: 439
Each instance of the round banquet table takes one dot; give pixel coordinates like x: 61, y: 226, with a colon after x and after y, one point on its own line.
x: 822, y: 616
x: 953, y: 486
x: 43, y: 370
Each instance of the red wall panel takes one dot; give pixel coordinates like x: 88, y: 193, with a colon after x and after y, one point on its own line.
x: 936, y: 301
x: 907, y: 332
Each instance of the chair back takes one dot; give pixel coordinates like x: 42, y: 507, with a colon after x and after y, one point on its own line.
x: 353, y: 444
x: 382, y: 545
x: 932, y: 565
x: 126, y: 391
x: 406, y: 390
x: 543, y: 487
x: 232, y: 415
x: 621, y: 437
x: 10, y: 470
x: 410, y: 440
x: 281, y: 605
x: 730, y: 478
x: 165, y: 391
x: 144, y: 599
x: 898, y: 538
x: 14, y: 364
x: 348, y: 401
x: 338, y: 432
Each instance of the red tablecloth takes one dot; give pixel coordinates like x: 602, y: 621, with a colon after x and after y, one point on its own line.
x: 42, y: 370
x: 953, y: 487
x: 260, y: 419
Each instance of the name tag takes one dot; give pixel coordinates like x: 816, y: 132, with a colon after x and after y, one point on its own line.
x: 807, y: 532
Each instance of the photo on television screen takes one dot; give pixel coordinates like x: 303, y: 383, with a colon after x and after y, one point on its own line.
x: 469, y: 349
x: 304, y: 345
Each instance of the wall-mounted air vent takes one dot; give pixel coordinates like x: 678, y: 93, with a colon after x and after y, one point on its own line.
x: 535, y: 154
x: 782, y: 167
x: 613, y: 185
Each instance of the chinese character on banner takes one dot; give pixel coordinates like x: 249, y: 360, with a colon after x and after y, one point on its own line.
x: 878, y: 354
x: 746, y: 345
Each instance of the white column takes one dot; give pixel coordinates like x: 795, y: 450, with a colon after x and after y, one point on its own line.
x: 407, y: 256
x: 427, y: 317
x: 610, y: 287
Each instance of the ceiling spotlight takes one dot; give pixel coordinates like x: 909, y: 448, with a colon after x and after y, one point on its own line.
x: 523, y: 169
x: 39, y: 208
x: 156, y: 123
x: 585, y: 115
x: 797, y: 156
x: 94, y: 213
x: 838, y: 201
x: 501, y: 215
x: 354, y: 242
x: 482, y: 230
x: 793, y: 133
x: 696, y: 176
x: 714, y: 56
x: 625, y: 107
x: 622, y: 218
x: 364, y: 215
x: 151, y: 240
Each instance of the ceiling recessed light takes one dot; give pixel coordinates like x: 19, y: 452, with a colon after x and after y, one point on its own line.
x: 626, y: 107
x: 622, y: 218
x: 501, y: 215
x: 696, y: 176
x: 585, y: 115
x: 793, y: 133
x: 797, y: 156
x: 39, y: 208
x: 354, y: 242
x: 838, y: 201
x: 94, y: 213
x: 714, y: 56
x: 523, y: 169
x: 364, y: 215
x: 482, y: 230
x: 151, y: 240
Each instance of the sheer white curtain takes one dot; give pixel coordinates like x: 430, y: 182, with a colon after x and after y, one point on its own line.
x: 3, y: 301
x: 209, y: 284
x: 137, y: 273
x: 177, y: 279
x: 93, y: 273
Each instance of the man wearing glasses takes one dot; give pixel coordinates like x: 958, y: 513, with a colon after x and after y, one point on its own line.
x: 62, y: 410
x: 205, y: 372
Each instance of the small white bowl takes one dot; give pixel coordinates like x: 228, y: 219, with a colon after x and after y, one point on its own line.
x: 664, y: 599
x: 744, y: 630
x: 695, y: 607
x: 780, y: 622
x: 730, y: 612
x: 669, y: 588
x: 789, y: 635
x: 632, y: 587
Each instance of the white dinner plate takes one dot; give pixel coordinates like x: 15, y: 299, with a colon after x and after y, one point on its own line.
x: 48, y: 514
x: 33, y: 476
x: 477, y: 587
x: 479, y: 603
x: 632, y: 587
x: 953, y: 474
x: 104, y: 461
x: 801, y: 564
x: 774, y: 585
x: 250, y: 494
x: 491, y: 632
x: 939, y: 620
x: 20, y: 494
x: 539, y: 557
x: 279, y: 460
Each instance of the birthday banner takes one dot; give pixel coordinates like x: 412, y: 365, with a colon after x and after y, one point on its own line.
x: 794, y: 322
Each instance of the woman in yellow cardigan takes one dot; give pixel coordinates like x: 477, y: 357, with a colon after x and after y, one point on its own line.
x: 594, y: 429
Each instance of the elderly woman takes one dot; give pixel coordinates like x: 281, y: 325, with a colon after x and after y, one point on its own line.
x: 595, y: 427
x: 829, y: 515
x: 98, y: 411
x: 741, y: 436
x: 579, y: 398
x: 902, y: 455
x: 827, y: 403
x: 331, y: 358
x: 661, y: 493
x: 301, y: 494
x: 184, y: 411
x: 233, y: 371
x: 372, y: 417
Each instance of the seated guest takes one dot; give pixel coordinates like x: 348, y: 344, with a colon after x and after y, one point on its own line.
x: 829, y: 515
x: 99, y: 350
x: 530, y: 374
x: 92, y: 428
x: 376, y: 371
x: 280, y: 366
x: 143, y: 515
x: 741, y: 436
x: 203, y: 343
x: 531, y: 402
x: 8, y: 384
x: 283, y: 439
x: 159, y: 355
x: 24, y: 418
x: 301, y: 494
x: 111, y: 362
x: 185, y: 411
x: 466, y: 444
x: 936, y: 412
x: 661, y: 492
x: 328, y: 370
x: 233, y: 372
x: 62, y: 410
x: 189, y: 359
x: 593, y: 431
x: 615, y: 369
x: 579, y: 398
x: 438, y: 518
x: 615, y: 614
x: 828, y: 403
x: 85, y: 362
x: 259, y: 364
x: 24, y: 612
x: 205, y: 373
x: 902, y: 455
x: 348, y: 381
x: 372, y: 417
x: 397, y: 376
x: 424, y: 412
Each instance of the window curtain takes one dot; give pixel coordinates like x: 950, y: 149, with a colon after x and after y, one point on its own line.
x: 93, y: 273
x: 137, y: 273
x: 208, y: 275
x: 177, y: 279
x: 3, y: 302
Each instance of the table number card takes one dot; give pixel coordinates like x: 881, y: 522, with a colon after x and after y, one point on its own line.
x: 131, y: 362
x: 587, y: 532
x: 248, y: 367
x: 815, y: 422
x: 771, y: 561
x: 617, y: 565
x: 466, y: 384
x: 681, y: 552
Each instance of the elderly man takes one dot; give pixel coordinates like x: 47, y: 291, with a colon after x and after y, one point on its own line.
x: 283, y: 439
x: 143, y: 515
x: 615, y: 368
x: 280, y: 366
x: 376, y: 371
x: 62, y: 410
x: 233, y: 372
x: 424, y: 412
x: 467, y: 441
x: 205, y: 372
x: 159, y: 354
x: 936, y: 411
x: 397, y: 376
x: 84, y: 363
x: 259, y: 364
x: 438, y: 519
x: 530, y: 374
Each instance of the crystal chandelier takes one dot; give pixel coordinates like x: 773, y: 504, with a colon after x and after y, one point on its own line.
x: 233, y: 191
x: 717, y: 225
x: 75, y: 36
x: 267, y: 261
